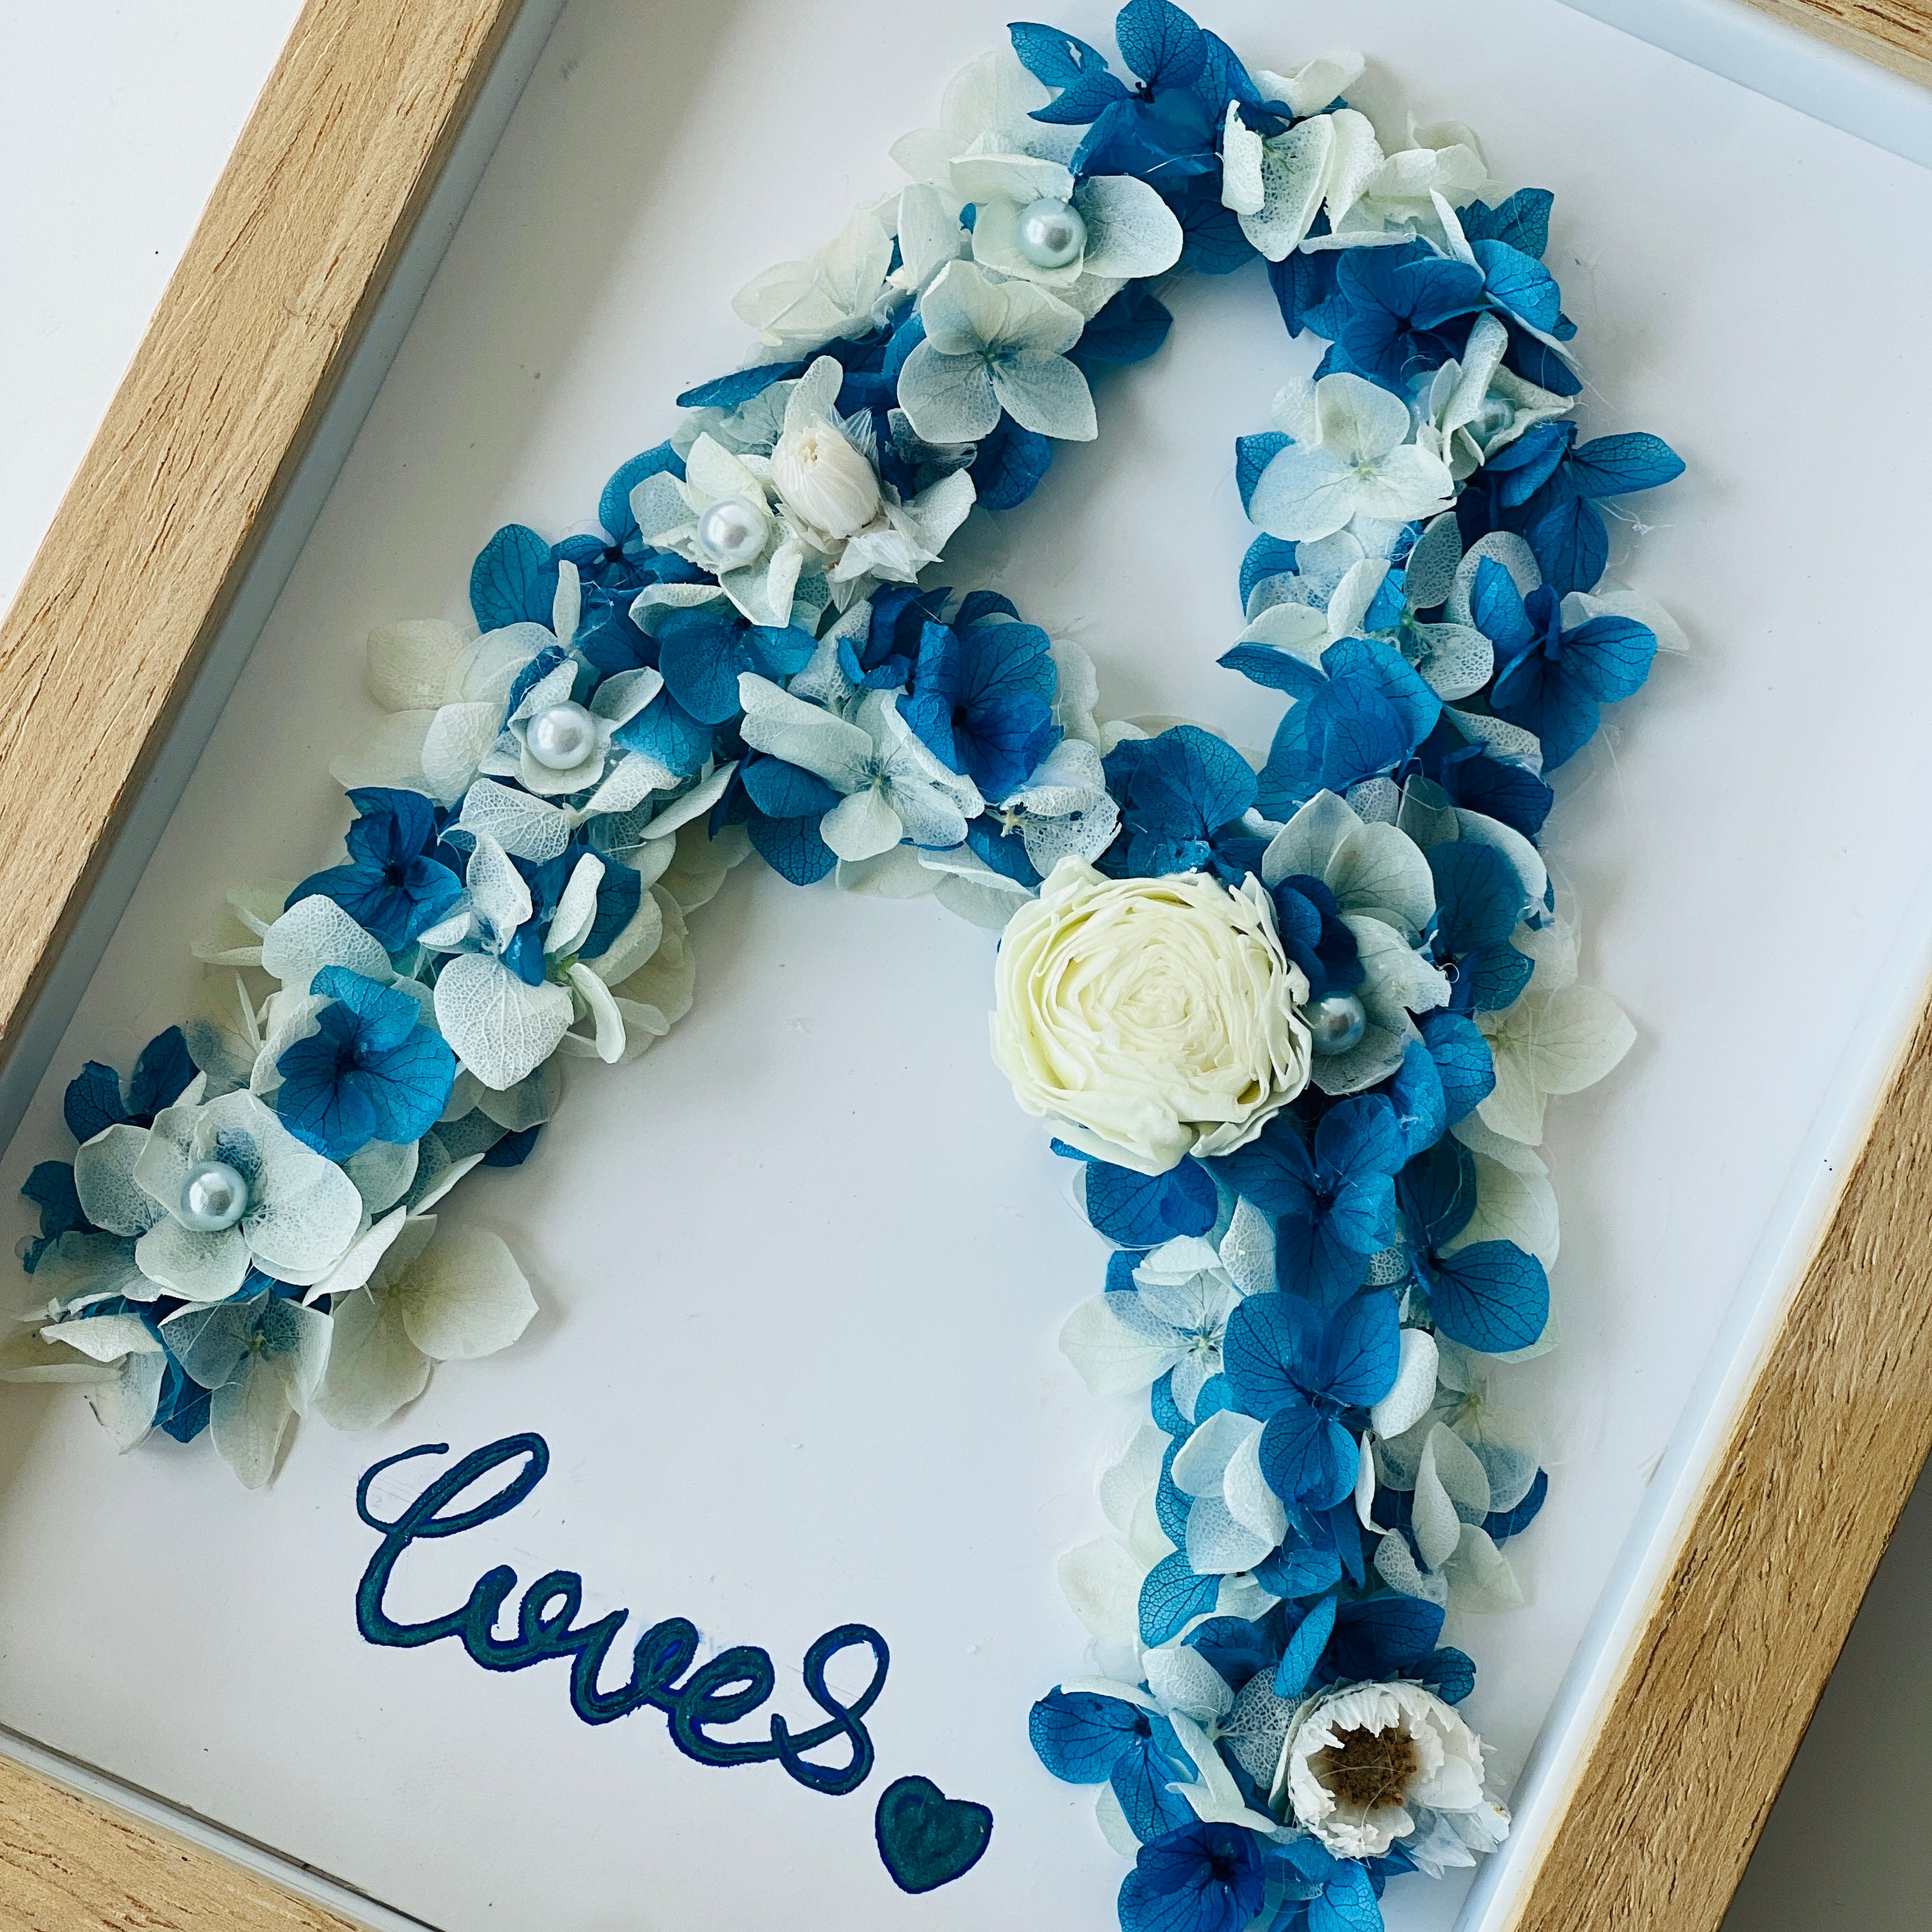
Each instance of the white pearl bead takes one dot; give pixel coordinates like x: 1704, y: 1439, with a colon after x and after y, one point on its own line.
x: 563, y: 737
x: 731, y: 532
x: 1051, y: 234
x: 1336, y: 1022
x: 213, y: 1196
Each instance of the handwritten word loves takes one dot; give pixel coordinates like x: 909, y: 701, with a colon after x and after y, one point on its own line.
x: 719, y: 1692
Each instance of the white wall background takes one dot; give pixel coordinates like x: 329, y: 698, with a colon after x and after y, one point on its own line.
x: 106, y: 161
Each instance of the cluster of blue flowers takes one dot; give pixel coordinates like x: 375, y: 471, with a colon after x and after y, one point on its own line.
x: 743, y: 655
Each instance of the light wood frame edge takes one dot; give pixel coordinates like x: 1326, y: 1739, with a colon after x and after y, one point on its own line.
x: 297, y: 245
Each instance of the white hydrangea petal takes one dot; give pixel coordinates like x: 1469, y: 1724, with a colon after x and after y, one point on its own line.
x: 1101, y: 1584
x: 499, y: 895
x: 1250, y: 1501
x: 497, y: 1025
x: 25, y: 1357
x: 1480, y: 1578
x: 1576, y: 1037
x: 1511, y: 1206
x: 1459, y: 1470
x: 1130, y: 231
x: 861, y: 826
x: 1295, y: 173
x: 523, y: 826
x: 1376, y: 871
x: 1247, y: 1249
x: 1437, y: 1528
x: 103, y: 1338
x: 576, y: 911
x: 1408, y: 482
x: 1125, y: 1483
x: 364, y: 1255
x: 383, y: 1173
x: 1241, y: 188
x: 1514, y: 1107
x: 125, y: 1406
x: 391, y: 757
x: 453, y: 746
x: 316, y: 932
x: 1414, y: 1388
x: 1184, y: 1680
x: 1048, y: 394
x: 415, y: 665
x: 464, y: 1296
x: 1216, y: 1544
x: 248, y: 1415
x: 1117, y: 1349
x: 373, y: 1368
x: 1200, y: 1466
x: 1310, y: 87
x: 1396, y: 1565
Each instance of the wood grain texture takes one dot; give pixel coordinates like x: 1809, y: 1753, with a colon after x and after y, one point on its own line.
x: 69, y: 1865
x: 127, y: 592
x: 1897, y: 34
x: 1713, y: 1696
x: 243, y: 354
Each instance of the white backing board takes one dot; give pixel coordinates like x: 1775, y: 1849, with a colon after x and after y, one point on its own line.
x: 802, y: 1265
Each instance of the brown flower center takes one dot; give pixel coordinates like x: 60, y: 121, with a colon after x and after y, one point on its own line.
x: 1368, y: 1769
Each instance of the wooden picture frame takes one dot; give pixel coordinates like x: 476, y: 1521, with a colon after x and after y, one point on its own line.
x: 195, y: 483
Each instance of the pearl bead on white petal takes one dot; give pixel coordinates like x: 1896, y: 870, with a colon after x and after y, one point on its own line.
x: 1336, y: 1023
x: 731, y: 532
x: 213, y: 1196
x: 563, y: 737
x: 1051, y: 234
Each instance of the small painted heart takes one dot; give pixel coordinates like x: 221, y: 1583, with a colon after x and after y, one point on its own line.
x: 927, y: 1839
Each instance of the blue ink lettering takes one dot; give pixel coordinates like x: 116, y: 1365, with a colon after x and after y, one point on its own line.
x: 732, y: 1685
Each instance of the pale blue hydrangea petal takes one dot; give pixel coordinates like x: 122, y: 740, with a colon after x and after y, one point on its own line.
x: 786, y: 728
x: 105, y: 1178
x: 196, y: 1266
x: 1048, y: 394
x: 948, y: 398
x: 383, y: 1173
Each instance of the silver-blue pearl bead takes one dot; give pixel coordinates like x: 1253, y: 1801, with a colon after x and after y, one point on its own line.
x: 1336, y: 1022
x: 1051, y: 234
x: 731, y: 532
x: 213, y: 1196
x: 561, y: 738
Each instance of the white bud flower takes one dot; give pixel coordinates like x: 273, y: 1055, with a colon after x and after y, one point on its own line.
x: 827, y: 481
